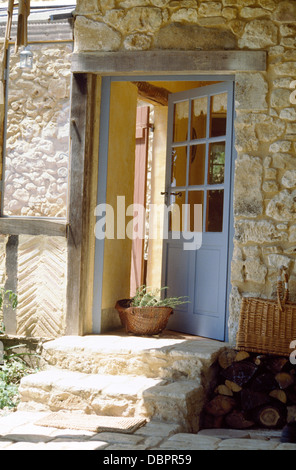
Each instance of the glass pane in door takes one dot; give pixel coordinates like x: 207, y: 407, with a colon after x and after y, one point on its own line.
x: 197, y: 164
x: 179, y: 166
x: 216, y: 163
x: 181, y: 114
x: 199, y: 111
x: 176, y: 214
x: 218, y: 115
x: 215, y: 200
x: 195, y: 198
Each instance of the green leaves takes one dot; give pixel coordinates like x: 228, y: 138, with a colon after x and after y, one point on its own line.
x: 12, y: 370
x: 14, y: 365
x: 9, y: 295
x: 148, y: 297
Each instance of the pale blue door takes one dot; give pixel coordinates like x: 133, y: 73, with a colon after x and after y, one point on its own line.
x: 198, y: 189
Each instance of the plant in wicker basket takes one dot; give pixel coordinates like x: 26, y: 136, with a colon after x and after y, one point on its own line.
x: 147, y: 313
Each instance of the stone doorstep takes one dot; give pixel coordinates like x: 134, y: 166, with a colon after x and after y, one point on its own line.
x: 58, y: 389
x: 123, y: 375
x: 163, y: 356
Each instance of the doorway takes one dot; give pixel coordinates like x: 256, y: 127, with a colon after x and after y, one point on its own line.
x: 195, y: 127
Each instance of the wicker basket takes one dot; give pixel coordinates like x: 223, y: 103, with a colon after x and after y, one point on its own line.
x: 268, y: 326
x: 143, y: 320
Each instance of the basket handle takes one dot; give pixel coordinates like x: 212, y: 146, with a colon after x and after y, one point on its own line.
x: 282, y: 294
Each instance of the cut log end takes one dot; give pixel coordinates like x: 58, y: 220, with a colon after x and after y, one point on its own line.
x: 220, y: 405
x: 269, y: 417
x: 279, y: 395
x: 224, y: 390
x: 284, y: 379
x: 226, y: 358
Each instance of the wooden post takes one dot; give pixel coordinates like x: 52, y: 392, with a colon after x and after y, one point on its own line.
x: 75, y: 204
x: 9, y: 314
x: 89, y: 203
x: 142, y: 142
x: 22, y: 24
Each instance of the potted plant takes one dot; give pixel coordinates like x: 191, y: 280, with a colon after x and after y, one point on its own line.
x: 147, y: 313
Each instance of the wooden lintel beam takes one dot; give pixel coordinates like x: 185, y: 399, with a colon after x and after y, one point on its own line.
x: 176, y: 62
x: 152, y: 93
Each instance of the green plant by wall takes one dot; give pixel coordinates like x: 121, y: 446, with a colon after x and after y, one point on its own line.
x: 13, y: 361
x: 13, y: 367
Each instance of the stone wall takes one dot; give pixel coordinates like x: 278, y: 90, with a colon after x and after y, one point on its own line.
x: 265, y: 172
x: 37, y: 137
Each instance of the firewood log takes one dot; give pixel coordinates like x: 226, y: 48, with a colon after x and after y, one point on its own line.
x: 260, y: 360
x: 251, y: 399
x: 240, y: 372
x: 277, y: 364
x: 284, y: 379
x: 220, y: 405
x: 279, y: 395
x: 291, y: 394
x: 241, y: 356
x: 237, y: 420
x: 223, y: 390
x: 264, y: 383
x: 270, y: 416
x: 226, y: 358
x: 212, y: 422
x: 233, y: 386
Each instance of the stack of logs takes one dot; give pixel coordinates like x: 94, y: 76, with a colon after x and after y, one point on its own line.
x: 249, y: 391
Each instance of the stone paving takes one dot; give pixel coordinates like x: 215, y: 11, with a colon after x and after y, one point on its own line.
x: 175, y: 359
x: 18, y: 431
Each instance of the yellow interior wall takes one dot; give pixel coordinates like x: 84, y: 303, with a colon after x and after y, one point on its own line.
x: 120, y: 182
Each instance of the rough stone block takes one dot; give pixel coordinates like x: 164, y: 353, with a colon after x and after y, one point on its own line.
x: 95, y: 36
x: 288, y: 113
x: 280, y: 146
x: 259, y: 34
x: 136, y: 19
x: 280, y: 98
x: 262, y: 231
x: 210, y: 9
x: 251, y: 91
x: 283, y: 206
x: 285, y: 12
x: 289, y: 179
x: 247, y: 194
x: 191, y: 37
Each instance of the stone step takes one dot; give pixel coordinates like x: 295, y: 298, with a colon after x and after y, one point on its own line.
x: 123, y: 395
x: 120, y: 354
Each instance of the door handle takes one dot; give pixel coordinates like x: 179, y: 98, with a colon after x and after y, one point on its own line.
x: 179, y: 194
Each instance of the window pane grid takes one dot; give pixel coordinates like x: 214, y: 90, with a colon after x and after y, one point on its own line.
x: 205, y: 158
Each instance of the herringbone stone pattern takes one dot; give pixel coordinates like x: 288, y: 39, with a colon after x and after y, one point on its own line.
x: 41, y: 286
